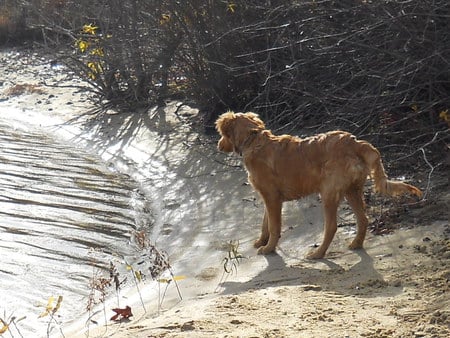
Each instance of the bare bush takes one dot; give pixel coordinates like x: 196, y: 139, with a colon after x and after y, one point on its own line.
x: 377, y: 68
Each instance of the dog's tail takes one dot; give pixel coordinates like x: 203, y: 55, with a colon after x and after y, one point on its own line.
x: 383, y: 185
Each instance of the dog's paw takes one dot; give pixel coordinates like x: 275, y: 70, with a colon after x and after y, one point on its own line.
x: 264, y: 250
x: 259, y: 243
x: 355, y: 245
x: 315, y: 255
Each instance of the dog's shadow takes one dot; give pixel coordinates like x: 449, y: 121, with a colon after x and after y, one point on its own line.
x: 361, y: 279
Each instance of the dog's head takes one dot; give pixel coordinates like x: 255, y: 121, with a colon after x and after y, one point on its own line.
x: 236, y: 129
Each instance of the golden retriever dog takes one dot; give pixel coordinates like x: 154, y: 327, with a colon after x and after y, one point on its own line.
x: 283, y: 168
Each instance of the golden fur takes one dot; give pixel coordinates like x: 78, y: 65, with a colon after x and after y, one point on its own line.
x: 284, y: 168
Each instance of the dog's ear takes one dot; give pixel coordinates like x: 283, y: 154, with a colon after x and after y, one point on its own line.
x: 225, y: 122
x: 255, y: 118
x: 225, y: 126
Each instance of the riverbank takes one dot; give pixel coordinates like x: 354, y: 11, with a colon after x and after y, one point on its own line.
x: 397, y: 287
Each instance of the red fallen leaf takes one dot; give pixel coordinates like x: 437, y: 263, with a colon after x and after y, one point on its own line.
x: 122, y: 313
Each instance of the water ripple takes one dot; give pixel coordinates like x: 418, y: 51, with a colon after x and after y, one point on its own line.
x: 64, y: 214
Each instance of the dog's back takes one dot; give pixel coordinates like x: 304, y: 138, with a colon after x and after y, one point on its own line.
x: 336, y: 160
x: 299, y: 167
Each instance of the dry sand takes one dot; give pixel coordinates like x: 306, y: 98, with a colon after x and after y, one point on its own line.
x: 398, y: 286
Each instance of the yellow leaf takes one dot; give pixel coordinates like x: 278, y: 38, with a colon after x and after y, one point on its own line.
x: 165, y: 18
x: 97, y: 51
x: 444, y: 115
x: 231, y: 7
x: 95, y: 68
x: 50, y: 301
x: 138, y: 275
x: 414, y: 107
x: 4, y: 328
x: 175, y: 278
x: 48, y: 308
x: 58, y: 304
x: 168, y: 280
x: 82, y: 45
x: 92, y: 66
x: 89, y: 29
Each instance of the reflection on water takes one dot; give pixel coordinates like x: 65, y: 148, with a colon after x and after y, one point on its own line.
x: 63, y: 215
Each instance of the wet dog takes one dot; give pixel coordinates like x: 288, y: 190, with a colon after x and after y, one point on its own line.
x: 283, y: 168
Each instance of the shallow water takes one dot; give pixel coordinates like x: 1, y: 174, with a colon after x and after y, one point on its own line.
x: 64, y: 216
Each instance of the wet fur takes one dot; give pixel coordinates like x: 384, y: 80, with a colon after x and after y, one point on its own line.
x: 283, y: 168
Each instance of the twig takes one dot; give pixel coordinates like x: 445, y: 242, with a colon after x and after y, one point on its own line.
x: 427, y: 190
x: 231, y: 261
x: 133, y: 272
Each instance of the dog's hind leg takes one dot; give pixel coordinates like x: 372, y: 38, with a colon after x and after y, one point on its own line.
x: 330, y: 206
x: 272, y: 216
x: 356, y: 202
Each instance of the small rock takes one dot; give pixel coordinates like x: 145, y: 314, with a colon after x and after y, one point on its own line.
x: 311, y: 287
x: 397, y: 283
x: 188, y: 326
x: 420, y: 248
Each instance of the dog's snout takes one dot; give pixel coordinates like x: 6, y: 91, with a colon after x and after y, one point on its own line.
x: 219, y: 145
x: 224, y: 145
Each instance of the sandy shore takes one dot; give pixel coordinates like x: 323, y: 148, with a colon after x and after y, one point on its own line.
x: 398, y: 286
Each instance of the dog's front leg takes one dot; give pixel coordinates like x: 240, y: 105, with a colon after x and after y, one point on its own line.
x: 272, y: 217
x: 264, y: 238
